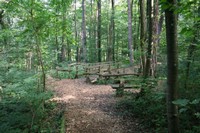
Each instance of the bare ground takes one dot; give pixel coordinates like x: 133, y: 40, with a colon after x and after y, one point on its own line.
x: 91, y: 108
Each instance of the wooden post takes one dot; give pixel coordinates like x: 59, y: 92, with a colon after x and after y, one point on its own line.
x: 99, y: 71
x: 123, y: 70
x: 69, y: 71
x: 120, y: 90
x: 109, y: 69
x: 118, y: 68
x: 57, y: 74
x: 76, y: 76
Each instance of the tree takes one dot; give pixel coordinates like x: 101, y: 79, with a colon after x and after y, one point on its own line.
x: 76, y: 34
x: 172, y: 65
x: 111, y: 34
x: 63, y: 47
x: 142, y: 33
x: 149, y: 49
x: 83, y: 36
x: 99, y: 29
x: 130, y: 36
x: 155, y: 37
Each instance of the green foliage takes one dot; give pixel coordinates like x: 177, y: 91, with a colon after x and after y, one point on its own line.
x: 23, y: 107
x: 189, y: 114
x: 150, y: 109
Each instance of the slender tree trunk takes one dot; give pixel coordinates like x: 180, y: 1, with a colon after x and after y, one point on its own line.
x: 63, y: 52
x: 63, y: 47
x: 172, y: 64
x: 83, y: 36
x: 68, y: 51
x: 117, y: 49
x: 155, y: 36
x: 38, y: 49
x: 130, y: 34
x: 148, y: 62
x: 76, y: 35
x: 113, y: 29
x: 136, y: 26
x: 57, y: 44
x: 4, y: 27
x: 160, y: 25
x: 142, y: 33
x: 111, y: 35
x: 99, y: 29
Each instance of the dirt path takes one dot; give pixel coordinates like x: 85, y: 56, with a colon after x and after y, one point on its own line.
x: 90, y: 108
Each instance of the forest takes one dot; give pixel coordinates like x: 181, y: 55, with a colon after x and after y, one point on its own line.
x: 64, y: 40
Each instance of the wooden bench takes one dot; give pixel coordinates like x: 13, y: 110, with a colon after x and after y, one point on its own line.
x: 123, y: 85
x: 62, y: 70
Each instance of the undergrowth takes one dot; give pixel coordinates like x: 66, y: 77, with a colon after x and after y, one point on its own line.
x: 151, y: 110
x: 24, y: 107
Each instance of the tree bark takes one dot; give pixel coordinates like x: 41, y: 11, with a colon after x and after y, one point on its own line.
x: 142, y: 33
x: 83, y: 36
x: 63, y: 47
x: 148, y: 62
x: 113, y: 30
x: 155, y: 37
x: 99, y: 29
x: 172, y: 66
x: 130, y: 36
x: 38, y: 49
x: 111, y: 34
x: 76, y: 34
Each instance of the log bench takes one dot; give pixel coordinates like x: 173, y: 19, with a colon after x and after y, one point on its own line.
x: 107, y: 76
x: 120, y: 88
x: 58, y: 69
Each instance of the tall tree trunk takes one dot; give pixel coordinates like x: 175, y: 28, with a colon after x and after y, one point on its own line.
x: 148, y: 62
x: 63, y: 47
x: 3, y: 26
x: 113, y: 29
x: 142, y: 33
x: 155, y: 38
x: 5, y: 39
x: 111, y: 34
x: 38, y: 49
x: 56, y: 43
x: 99, y: 29
x: 172, y: 65
x: 130, y: 36
x: 160, y: 25
x: 68, y: 51
x: 136, y: 25
x: 76, y: 35
x: 63, y: 52
x: 83, y: 36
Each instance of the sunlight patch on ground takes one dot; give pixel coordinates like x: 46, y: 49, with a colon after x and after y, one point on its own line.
x: 65, y: 98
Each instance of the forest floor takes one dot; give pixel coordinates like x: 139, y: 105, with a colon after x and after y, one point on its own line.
x: 91, y: 108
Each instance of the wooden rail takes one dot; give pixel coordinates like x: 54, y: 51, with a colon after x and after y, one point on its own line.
x: 102, y: 69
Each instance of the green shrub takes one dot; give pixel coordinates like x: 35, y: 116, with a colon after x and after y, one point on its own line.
x: 23, y: 106
x: 151, y: 110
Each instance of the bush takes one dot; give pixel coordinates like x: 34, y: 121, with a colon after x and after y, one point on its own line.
x: 23, y: 106
x: 151, y: 110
